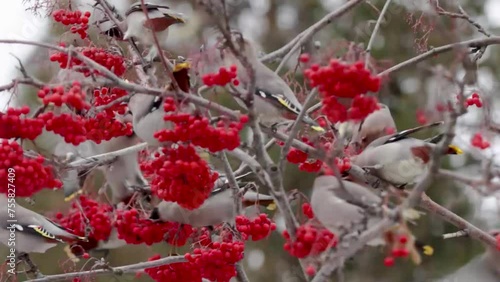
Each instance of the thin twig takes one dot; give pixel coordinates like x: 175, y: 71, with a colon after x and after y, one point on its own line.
x: 375, y: 30
x: 480, y: 42
x: 120, y: 270
x: 309, y: 33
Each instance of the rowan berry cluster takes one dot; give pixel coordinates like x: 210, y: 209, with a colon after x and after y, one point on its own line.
x: 309, y: 241
x: 197, y: 130
x: 478, y: 141
x: 97, y: 214
x: 79, y: 21
x: 105, y: 127
x: 307, y: 210
x: 105, y: 96
x: 399, y: 251
x: 222, y: 77
x: 175, y: 272
x: 74, y: 97
x: 258, y: 228
x: 217, y: 260
x: 474, y: 100
x: 135, y: 229
x: 13, y: 125
x: 346, y: 81
x: 70, y: 127
x: 181, y: 175
x: 32, y: 175
x: 112, y: 62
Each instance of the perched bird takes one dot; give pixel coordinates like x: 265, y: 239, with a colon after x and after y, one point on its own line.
x: 34, y: 233
x: 273, y: 98
x: 148, y: 112
x: 483, y: 268
x: 399, y: 159
x: 124, y: 172
x: 120, y: 174
x: 140, y: 27
x: 377, y: 124
x: 342, y: 210
x: 217, y: 209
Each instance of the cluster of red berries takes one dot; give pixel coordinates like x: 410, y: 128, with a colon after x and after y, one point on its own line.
x: 12, y: 125
x: 217, y: 260
x: 97, y: 214
x: 174, y: 272
x: 309, y: 241
x: 133, y: 228
x: 398, y: 252
x: 72, y: 128
x: 478, y: 141
x: 307, y: 210
x: 79, y: 21
x: 342, y: 80
x: 474, y: 100
x: 105, y: 127
x: 257, y: 228
x: 361, y: 107
x: 112, y: 62
x: 181, y: 175
x: 105, y: 96
x: 221, y: 78
x: 343, y: 165
x: 296, y: 156
x: 30, y: 175
x: 74, y: 97
x: 198, y: 131
x: 347, y: 81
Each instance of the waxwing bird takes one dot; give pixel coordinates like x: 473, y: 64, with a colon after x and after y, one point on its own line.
x: 160, y: 19
x: 218, y: 208
x: 377, y: 124
x: 342, y: 210
x: 483, y: 268
x: 34, y: 233
x: 273, y: 98
x: 148, y: 112
x: 120, y: 175
x: 397, y: 159
x: 124, y: 172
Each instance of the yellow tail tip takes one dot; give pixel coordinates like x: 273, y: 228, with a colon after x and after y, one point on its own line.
x: 455, y: 150
x: 271, y: 206
x: 428, y: 250
x: 181, y: 66
x: 318, y: 128
x: 72, y: 196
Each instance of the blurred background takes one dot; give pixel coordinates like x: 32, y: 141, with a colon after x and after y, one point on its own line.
x: 410, y: 27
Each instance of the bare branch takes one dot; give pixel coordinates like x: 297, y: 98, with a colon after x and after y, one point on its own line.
x: 375, y: 30
x: 481, y: 42
x: 447, y: 215
x: 120, y: 270
x: 307, y: 34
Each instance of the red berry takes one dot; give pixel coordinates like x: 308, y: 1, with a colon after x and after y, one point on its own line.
x: 389, y: 261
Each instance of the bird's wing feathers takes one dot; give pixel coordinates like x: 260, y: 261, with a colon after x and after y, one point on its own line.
x: 404, y: 134
x: 137, y: 7
x: 279, y: 100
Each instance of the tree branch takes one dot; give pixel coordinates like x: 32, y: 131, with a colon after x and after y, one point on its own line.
x: 120, y: 270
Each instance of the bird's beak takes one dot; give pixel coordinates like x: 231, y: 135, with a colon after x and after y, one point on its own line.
x: 454, y: 150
